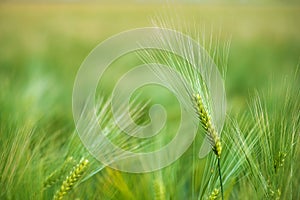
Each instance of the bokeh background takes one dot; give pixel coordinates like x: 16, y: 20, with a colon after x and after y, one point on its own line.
x: 44, y: 43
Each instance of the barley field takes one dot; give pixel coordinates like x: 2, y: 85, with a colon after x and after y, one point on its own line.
x: 42, y: 46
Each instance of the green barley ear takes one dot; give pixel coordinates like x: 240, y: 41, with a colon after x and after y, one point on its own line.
x: 279, y: 161
x: 205, y: 120
x: 72, y: 179
x: 214, y: 194
x: 211, y: 132
x: 159, y: 190
x: 58, y: 174
x: 274, y: 194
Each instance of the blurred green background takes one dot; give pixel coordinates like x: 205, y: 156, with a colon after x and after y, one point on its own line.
x: 43, y: 45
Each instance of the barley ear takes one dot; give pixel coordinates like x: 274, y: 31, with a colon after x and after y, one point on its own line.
x: 274, y: 194
x: 279, y: 161
x: 206, y: 122
x: 58, y: 174
x: 72, y: 179
x: 214, y: 194
x: 211, y: 132
x: 159, y: 190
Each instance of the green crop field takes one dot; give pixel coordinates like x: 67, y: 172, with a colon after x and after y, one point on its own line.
x: 42, y: 46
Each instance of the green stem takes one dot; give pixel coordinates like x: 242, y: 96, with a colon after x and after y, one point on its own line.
x: 220, y: 176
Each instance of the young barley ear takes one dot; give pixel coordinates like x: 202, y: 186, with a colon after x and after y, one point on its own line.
x: 274, y: 195
x: 279, y: 161
x: 214, y: 194
x: 159, y: 190
x: 205, y: 120
x: 58, y: 174
x: 72, y: 179
x: 211, y: 132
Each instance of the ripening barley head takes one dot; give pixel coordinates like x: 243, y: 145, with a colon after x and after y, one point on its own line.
x: 72, y: 179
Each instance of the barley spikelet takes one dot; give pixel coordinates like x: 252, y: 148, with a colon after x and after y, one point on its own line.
x: 72, y: 179
x: 279, y: 161
x: 274, y: 195
x: 159, y: 190
x: 58, y: 174
x: 214, y: 194
x: 205, y: 120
